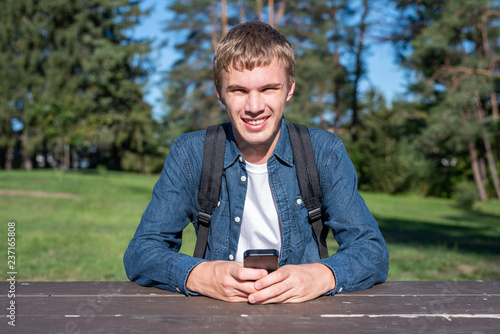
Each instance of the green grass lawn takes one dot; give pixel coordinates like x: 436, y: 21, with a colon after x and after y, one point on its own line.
x: 83, y: 236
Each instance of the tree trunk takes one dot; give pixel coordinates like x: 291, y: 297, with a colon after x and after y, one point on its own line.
x: 358, y: 70
x: 483, y: 170
x: 224, y: 16
x: 270, y: 12
x: 338, y: 68
x: 475, y: 171
x: 259, y: 10
x: 494, y: 105
x: 492, y: 165
x: 9, y: 158
x: 26, y: 158
x: 242, y: 11
x: 494, y: 112
x: 280, y: 13
x: 66, y: 166
x: 489, y: 151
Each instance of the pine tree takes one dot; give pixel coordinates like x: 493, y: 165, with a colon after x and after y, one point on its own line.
x: 319, y: 34
x: 75, y: 75
x: 22, y: 54
x: 457, y: 55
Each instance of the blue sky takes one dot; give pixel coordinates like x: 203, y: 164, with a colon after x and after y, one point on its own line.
x: 383, y: 73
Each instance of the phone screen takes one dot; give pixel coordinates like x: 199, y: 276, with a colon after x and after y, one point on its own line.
x: 261, y: 259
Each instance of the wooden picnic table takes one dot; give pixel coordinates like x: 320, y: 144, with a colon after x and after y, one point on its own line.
x: 125, y: 307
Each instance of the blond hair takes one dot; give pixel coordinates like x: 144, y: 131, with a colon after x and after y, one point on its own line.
x: 249, y: 45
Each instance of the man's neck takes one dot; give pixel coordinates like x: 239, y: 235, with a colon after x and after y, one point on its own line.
x: 257, y: 154
x: 256, y: 158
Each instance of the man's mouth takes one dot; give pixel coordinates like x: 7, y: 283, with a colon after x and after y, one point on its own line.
x: 255, y: 121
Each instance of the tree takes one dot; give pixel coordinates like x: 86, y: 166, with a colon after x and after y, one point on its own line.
x: 384, y: 154
x: 323, y: 91
x: 76, y: 75
x: 454, y: 51
x: 465, y: 66
x: 22, y: 54
x: 359, y: 50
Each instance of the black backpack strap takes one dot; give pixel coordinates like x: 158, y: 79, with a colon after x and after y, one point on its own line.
x: 307, y: 176
x: 210, y: 182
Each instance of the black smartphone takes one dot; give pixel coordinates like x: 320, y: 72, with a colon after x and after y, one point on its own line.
x: 261, y: 259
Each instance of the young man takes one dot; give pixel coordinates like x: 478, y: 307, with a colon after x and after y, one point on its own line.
x: 260, y: 204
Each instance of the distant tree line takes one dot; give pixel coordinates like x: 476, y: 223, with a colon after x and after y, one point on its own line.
x: 72, y: 85
x: 73, y: 82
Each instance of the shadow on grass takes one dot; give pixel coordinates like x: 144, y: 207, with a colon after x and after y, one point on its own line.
x: 481, y: 236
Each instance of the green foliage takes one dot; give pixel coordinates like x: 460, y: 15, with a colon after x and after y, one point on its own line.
x: 453, y: 52
x: 141, y: 163
x: 190, y: 98
x: 324, y: 86
x: 466, y: 195
x: 384, y: 155
x: 73, y: 75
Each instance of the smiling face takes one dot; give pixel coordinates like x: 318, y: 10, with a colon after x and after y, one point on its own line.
x: 255, y: 101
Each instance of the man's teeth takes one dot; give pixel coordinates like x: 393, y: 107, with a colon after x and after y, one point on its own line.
x: 256, y: 122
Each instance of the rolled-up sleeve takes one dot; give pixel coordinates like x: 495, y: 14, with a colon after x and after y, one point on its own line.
x: 362, y: 259
x: 152, y: 257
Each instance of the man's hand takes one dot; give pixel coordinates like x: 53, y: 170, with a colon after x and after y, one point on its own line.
x: 293, y: 284
x: 225, y: 280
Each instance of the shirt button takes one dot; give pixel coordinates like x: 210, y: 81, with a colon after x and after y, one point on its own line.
x: 240, y: 159
x: 237, y: 219
x: 299, y: 201
x: 340, y: 290
x: 218, y: 203
x: 231, y: 257
x: 243, y: 178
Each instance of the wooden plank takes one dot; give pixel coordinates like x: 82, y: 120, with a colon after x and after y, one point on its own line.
x: 86, y: 288
x: 433, y: 287
x: 200, y: 306
x: 254, y: 324
x: 399, y: 307
x: 402, y: 288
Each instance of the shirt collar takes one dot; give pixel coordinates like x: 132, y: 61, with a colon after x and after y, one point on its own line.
x: 232, y: 152
x: 282, y: 151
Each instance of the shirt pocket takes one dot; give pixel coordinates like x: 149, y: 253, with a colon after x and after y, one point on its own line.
x: 218, y: 234
x: 302, y: 230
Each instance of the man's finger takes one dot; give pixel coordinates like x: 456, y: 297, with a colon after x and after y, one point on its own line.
x: 276, y: 293
x: 248, y: 274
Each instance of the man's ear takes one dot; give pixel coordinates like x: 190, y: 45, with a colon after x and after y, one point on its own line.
x: 221, y: 99
x: 290, y: 91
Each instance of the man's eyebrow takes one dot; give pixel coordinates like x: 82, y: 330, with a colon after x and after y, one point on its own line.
x: 266, y: 86
x: 272, y: 85
x: 235, y: 87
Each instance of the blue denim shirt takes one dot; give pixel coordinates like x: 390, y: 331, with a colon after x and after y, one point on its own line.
x: 152, y: 257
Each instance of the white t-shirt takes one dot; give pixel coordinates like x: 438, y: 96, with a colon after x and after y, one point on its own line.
x: 260, y: 226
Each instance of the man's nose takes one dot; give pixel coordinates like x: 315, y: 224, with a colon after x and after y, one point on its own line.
x: 255, y: 102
